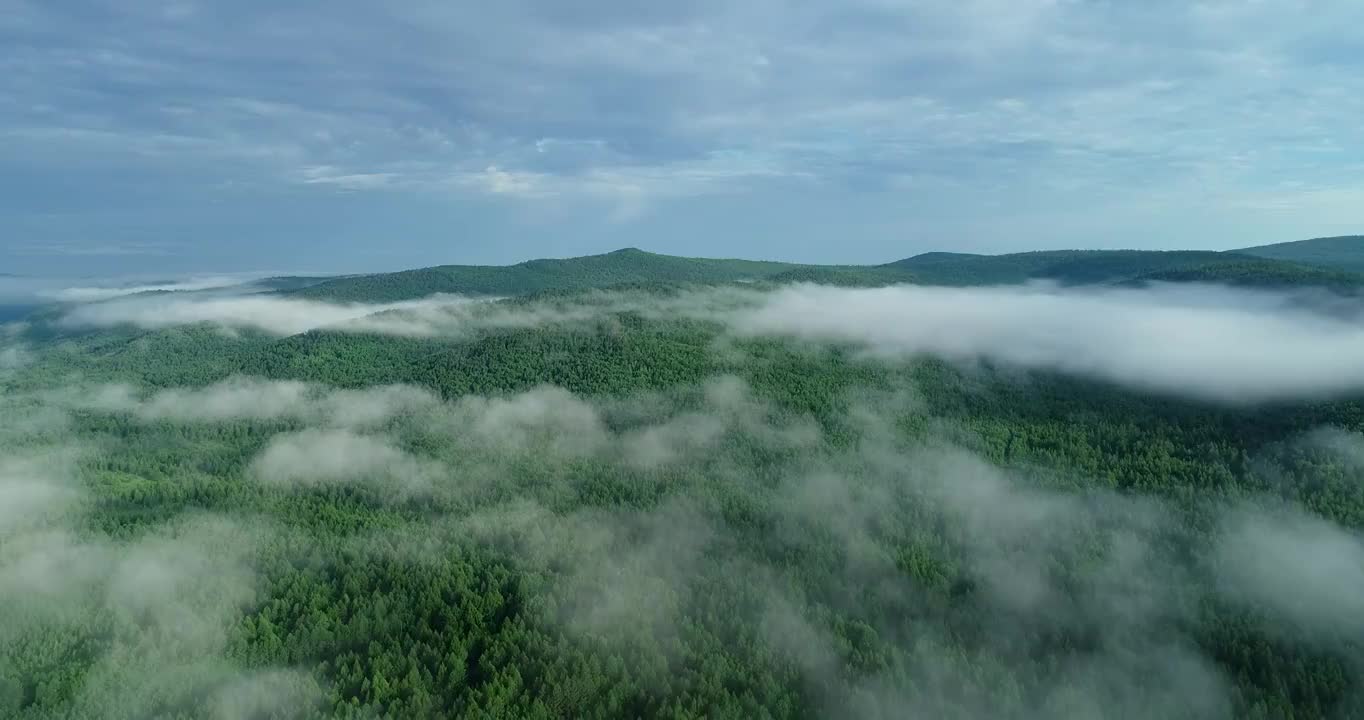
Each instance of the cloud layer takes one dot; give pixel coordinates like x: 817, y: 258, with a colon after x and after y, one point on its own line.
x: 1209, y: 343
x: 268, y: 314
x: 707, y: 502
x: 1206, y: 342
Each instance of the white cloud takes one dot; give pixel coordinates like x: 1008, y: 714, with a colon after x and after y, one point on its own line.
x: 1207, y: 342
x: 1035, y: 94
x: 83, y: 294
x: 270, y: 314
x: 241, y: 398
x: 1303, y: 568
x: 330, y: 457
x: 33, y: 489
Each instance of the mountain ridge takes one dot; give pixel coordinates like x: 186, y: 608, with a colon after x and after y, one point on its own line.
x: 1340, y: 252
x: 1067, y: 267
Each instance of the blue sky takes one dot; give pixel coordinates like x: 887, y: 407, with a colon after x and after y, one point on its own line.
x: 184, y: 136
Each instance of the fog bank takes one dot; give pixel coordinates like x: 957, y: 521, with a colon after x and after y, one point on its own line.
x: 1206, y: 342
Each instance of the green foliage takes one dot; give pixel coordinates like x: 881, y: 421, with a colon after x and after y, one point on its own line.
x: 1263, y: 274
x: 630, y: 266
x: 1070, y: 267
x: 596, y: 271
x: 735, y: 580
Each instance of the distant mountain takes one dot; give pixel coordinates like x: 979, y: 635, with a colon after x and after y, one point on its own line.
x: 1336, y: 253
x: 1070, y: 267
x: 622, y: 266
x: 633, y: 267
x: 288, y: 282
x: 1262, y: 273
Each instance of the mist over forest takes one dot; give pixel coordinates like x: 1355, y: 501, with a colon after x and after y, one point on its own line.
x: 826, y: 494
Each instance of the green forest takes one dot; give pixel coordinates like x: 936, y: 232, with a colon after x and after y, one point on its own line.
x: 618, y: 488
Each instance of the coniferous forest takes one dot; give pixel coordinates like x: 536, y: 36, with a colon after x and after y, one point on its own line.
x: 1069, y: 485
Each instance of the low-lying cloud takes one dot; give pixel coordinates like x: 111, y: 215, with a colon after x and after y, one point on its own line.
x: 97, y: 293
x: 268, y: 314
x: 243, y: 398
x: 1303, y: 569
x: 1211, y: 343
x: 330, y: 457
x: 639, y: 514
x: 433, y: 316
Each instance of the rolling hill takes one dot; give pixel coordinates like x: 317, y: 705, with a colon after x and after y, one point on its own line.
x: 1345, y: 252
x: 629, y: 265
x: 630, y: 512
x: 632, y: 266
x: 1071, y: 267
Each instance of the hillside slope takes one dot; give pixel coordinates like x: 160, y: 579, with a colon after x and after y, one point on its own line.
x: 1071, y: 267
x: 630, y: 266
x: 1345, y: 252
x: 622, y: 266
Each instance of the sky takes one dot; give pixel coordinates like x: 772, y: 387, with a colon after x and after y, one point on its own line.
x: 347, y: 136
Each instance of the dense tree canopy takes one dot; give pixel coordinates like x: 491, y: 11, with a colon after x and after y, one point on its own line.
x: 644, y: 516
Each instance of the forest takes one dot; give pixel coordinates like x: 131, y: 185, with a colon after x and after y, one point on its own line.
x: 1065, y: 485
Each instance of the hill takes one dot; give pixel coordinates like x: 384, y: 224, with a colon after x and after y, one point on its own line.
x: 1345, y: 252
x: 1262, y: 273
x: 1070, y: 267
x: 632, y: 266
x: 628, y: 512
x: 629, y: 265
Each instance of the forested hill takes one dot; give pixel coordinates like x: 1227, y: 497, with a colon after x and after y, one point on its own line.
x: 622, y: 266
x: 679, y: 501
x: 1345, y: 252
x: 1068, y: 267
x: 1077, y: 267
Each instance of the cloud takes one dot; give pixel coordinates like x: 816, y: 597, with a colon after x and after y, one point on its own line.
x: 546, y: 420
x: 1206, y: 342
x: 1027, y: 105
x: 233, y: 399
x: 14, y: 356
x: 623, y: 576
x: 1341, y: 445
x: 168, y: 600
x: 278, y: 693
x: 142, y: 619
x: 272, y: 315
x: 878, y: 575
x: 335, y: 457
x: 913, y: 530
x: 1305, y: 570
x: 34, y: 489
x: 1210, y: 343
x: 434, y: 316
x: 1038, y: 563
x: 95, y: 294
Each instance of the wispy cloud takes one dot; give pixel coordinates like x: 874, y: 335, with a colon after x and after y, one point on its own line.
x: 629, y: 108
x: 274, y: 315
x: 96, y: 293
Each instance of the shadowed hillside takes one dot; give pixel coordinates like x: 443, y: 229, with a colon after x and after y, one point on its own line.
x: 1338, y: 253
